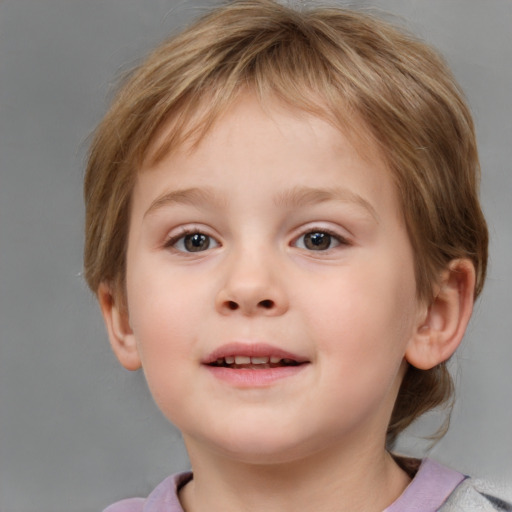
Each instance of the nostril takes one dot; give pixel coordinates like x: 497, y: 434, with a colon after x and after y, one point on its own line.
x: 232, y: 305
x: 267, y: 304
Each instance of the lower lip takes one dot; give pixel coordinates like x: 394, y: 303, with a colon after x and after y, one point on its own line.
x: 253, y: 378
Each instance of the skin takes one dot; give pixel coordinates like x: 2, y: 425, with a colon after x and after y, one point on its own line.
x: 258, y: 192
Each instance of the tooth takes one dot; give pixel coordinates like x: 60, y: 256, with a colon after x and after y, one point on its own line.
x: 274, y: 359
x: 220, y: 361
x: 229, y: 360
x: 259, y: 360
x: 242, y: 360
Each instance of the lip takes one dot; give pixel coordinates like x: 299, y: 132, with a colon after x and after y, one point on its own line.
x: 253, y: 377
x: 251, y: 350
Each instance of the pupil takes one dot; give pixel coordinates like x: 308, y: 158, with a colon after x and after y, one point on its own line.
x: 196, y: 242
x: 316, y: 241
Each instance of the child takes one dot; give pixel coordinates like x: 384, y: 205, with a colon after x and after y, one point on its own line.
x: 283, y: 231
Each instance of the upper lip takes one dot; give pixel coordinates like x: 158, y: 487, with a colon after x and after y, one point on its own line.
x: 251, y: 350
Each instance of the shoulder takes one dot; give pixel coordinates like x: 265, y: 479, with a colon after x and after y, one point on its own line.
x: 164, y: 498
x: 437, y: 488
x: 128, y: 505
x: 479, y: 496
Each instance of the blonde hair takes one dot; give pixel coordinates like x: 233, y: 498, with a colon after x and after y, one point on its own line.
x: 335, y: 63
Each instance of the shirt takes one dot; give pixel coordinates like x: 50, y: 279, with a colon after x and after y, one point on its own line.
x: 434, y: 488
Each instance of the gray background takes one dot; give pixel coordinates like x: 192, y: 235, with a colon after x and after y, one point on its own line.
x: 76, y: 430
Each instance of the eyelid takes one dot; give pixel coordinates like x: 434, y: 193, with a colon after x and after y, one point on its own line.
x: 179, y: 233
x: 342, y: 240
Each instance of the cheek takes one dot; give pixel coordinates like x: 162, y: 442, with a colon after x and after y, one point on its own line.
x: 165, y: 343
x: 364, y: 334
x: 164, y: 317
x: 369, y: 313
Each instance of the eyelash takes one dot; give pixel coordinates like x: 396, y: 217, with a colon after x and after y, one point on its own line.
x: 173, y: 241
x: 340, y: 240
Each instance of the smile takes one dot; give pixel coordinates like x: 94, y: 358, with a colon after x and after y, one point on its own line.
x: 253, y: 363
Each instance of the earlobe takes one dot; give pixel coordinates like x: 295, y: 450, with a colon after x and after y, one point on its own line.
x: 120, y: 333
x: 442, y: 327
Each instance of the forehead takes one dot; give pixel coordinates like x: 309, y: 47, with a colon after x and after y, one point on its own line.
x: 252, y: 137
x: 185, y: 129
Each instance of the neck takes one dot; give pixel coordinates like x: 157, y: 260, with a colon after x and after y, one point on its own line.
x: 368, y: 481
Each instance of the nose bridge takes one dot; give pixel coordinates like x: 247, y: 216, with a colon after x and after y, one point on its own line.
x: 251, y: 283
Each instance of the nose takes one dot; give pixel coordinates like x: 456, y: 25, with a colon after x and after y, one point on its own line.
x: 252, y: 285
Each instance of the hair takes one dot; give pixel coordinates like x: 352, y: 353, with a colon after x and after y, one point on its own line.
x: 338, y: 64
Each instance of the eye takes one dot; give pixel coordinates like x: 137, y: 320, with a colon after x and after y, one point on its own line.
x: 192, y: 242
x: 318, y: 240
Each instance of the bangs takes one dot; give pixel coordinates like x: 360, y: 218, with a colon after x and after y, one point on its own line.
x: 289, y: 68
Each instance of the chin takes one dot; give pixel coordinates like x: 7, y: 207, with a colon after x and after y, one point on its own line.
x: 258, y: 449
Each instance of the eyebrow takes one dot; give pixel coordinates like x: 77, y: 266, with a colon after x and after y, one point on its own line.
x: 305, y: 196
x: 192, y: 196
x: 294, y: 198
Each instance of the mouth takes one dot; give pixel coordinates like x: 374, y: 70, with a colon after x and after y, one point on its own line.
x: 241, y: 362
x: 253, y: 365
x: 258, y: 356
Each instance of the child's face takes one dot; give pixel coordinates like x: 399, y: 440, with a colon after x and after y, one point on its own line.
x: 274, y: 238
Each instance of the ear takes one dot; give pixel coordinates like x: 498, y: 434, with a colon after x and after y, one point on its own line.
x: 120, y: 333
x: 442, y: 326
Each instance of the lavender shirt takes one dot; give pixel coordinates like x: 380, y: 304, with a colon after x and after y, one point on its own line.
x: 428, y: 490
x: 434, y: 488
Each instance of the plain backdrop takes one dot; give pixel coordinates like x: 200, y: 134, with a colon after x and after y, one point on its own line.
x: 77, y: 431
